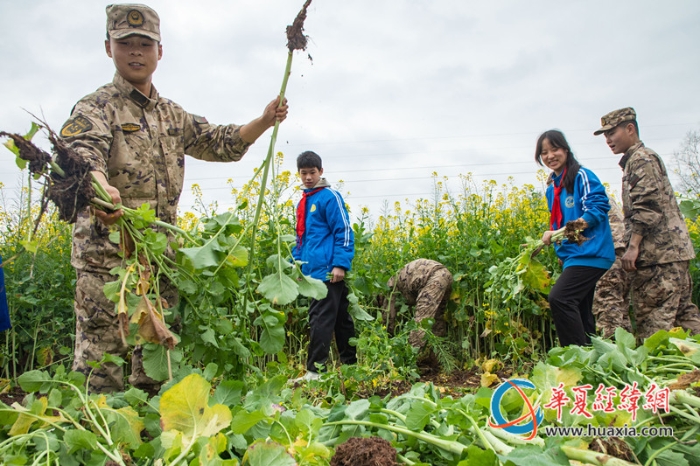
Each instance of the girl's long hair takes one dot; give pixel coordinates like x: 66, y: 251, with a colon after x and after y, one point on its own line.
x: 557, y: 140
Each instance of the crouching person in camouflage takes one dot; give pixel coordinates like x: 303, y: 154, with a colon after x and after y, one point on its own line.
x: 425, y: 284
x: 135, y: 142
x: 611, y: 302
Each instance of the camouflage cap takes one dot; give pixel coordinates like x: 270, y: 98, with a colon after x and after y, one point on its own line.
x: 614, y: 118
x: 128, y: 19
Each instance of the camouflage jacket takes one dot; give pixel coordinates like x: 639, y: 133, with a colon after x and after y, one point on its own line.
x: 139, y: 143
x: 651, y: 209
x: 413, y: 277
x: 617, y: 224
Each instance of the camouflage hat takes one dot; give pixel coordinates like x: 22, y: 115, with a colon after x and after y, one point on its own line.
x: 614, y: 118
x: 128, y: 19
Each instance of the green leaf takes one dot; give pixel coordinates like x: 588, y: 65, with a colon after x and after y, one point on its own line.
x: 418, y: 415
x: 33, y: 381
x: 237, y: 257
x: 671, y: 458
x: 209, y: 454
x: 239, y: 349
x: 155, y: 361
x: 77, y: 439
x: 112, y: 289
x: 229, y: 392
x: 187, y: 286
x: 210, y: 371
x: 278, y: 262
x: 134, y: 396
x: 312, y: 287
x: 266, y: 395
x: 243, y: 421
x: 272, y: 339
x: 478, y: 457
x: 208, y: 336
x: 357, y: 409
x: 185, y: 408
x: 356, y: 311
x: 156, y: 241
x: 272, y: 335
x: 278, y: 288
x: 531, y: 455
x: 32, y: 131
x: 534, y: 275
x: 689, y: 348
x: 126, y: 425
x: 201, y: 257
x: 30, y: 246
x: 263, y: 453
x: 690, y: 208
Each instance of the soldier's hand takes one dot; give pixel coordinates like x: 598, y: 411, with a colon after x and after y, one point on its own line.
x: 275, y: 112
x: 629, y: 258
x: 109, y: 218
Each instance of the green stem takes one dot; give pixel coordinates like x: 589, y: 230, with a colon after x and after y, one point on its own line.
x: 447, y: 445
x: 477, y: 431
x: 593, y: 457
x: 513, y: 439
x: 266, y: 170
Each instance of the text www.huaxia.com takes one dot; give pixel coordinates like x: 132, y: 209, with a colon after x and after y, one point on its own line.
x: 608, y: 431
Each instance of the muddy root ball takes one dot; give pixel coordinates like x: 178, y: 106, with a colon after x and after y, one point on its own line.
x: 37, y: 158
x: 573, y: 231
x: 74, y: 192
x: 371, y: 451
x: 296, y: 40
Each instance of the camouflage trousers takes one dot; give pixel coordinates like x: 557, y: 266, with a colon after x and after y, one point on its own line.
x: 97, y: 334
x: 431, y: 303
x: 611, y: 302
x: 662, y: 299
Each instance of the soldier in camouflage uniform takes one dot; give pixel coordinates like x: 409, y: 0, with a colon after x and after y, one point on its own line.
x: 135, y: 141
x: 658, y: 246
x: 611, y: 302
x: 425, y: 284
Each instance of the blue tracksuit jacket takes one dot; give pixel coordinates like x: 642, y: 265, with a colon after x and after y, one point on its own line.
x: 328, y: 239
x: 590, y: 202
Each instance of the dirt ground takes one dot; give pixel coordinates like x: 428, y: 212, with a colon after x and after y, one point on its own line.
x: 370, y: 451
x: 14, y: 394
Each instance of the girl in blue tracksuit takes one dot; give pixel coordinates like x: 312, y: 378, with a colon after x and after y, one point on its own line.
x: 325, y: 243
x: 574, y: 193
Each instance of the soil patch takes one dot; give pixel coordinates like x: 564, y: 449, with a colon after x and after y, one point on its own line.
x: 12, y: 395
x: 613, y: 446
x: 370, y: 451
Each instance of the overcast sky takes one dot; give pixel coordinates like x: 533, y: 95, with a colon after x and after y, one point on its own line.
x: 397, y: 89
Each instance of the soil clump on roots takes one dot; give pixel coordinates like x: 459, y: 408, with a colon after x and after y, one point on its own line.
x: 371, y: 451
x: 72, y: 190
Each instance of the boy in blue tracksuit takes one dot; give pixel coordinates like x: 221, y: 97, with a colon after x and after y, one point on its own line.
x: 325, y: 243
x: 575, y: 193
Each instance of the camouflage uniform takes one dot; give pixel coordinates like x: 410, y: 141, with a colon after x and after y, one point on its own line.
x: 426, y: 284
x: 139, y: 142
x: 611, y: 302
x: 661, y: 285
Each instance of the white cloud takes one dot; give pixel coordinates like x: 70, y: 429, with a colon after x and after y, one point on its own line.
x: 397, y: 89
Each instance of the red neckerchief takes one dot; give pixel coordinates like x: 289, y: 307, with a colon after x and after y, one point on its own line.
x: 556, y: 216
x: 301, y: 213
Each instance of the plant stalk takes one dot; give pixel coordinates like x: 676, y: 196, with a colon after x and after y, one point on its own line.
x: 266, y: 170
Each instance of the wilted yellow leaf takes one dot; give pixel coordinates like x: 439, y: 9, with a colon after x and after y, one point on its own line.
x: 185, y: 408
